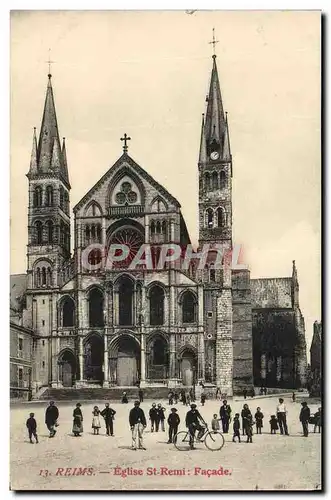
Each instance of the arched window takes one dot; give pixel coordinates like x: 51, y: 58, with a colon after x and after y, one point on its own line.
x: 212, y: 273
x: 39, y: 232
x: 43, y: 277
x: 152, y: 228
x: 164, y: 227
x: 158, y: 227
x: 221, y: 217
x: 49, y: 277
x: 62, y: 198
x: 93, y: 232
x: 159, y: 352
x: 96, y: 307
x: 189, y: 308
x: 215, y: 181
x: 125, y: 298
x: 50, y: 228
x: 66, y: 202
x: 209, y: 217
x: 49, y: 196
x: 99, y: 238
x: 87, y: 234
x: 62, y: 233
x: 156, y: 305
x: 37, y: 196
x: 68, y: 312
x: 207, y: 181
x: 222, y: 179
x: 37, y: 281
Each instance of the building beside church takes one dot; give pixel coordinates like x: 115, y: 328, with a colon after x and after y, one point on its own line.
x: 117, y: 326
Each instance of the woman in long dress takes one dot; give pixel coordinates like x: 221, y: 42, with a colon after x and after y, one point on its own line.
x: 96, y: 420
x: 77, y: 427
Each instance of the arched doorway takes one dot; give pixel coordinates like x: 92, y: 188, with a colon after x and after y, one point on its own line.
x: 67, y: 368
x: 188, y: 367
x: 95, y: 307
x: 158, y: 358
x: 94, y: 358
x: 126, y: 361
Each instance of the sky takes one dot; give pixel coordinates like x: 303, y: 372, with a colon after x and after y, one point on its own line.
x: 147, y: 74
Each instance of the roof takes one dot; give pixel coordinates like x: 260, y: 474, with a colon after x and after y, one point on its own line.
x: 18, y: 286
x: 271, y: 293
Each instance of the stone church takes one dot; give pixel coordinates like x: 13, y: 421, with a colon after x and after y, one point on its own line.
x: 77, y: 327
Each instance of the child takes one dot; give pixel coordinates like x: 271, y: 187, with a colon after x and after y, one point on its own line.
x: 32, y: 428
x: 124, y: 398
x: 215, y: 423
x: 203, y: 399
x: 236, y: 428
x: 249, y: 429
x: 273, y: 424
x: 173, y: 421
x: 259, y: 420
x: 96, y: 420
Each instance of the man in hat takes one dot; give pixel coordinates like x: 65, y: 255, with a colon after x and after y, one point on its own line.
x: 192, y: 422
x: 51, y: 416
x: 137, y: 422
x: 281, y: 416
x: 108, y: 415
x: 304, y: 417
x: 153, y: 417
x: 160, y: 417
x: 225, y: 414
x: 173, y: 422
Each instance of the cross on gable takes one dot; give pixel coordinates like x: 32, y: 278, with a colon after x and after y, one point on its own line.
x: 125, y: 139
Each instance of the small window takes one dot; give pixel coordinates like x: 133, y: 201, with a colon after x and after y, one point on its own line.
x: 20, y: 343
x: 43, y: 364
x: 43, y: 322
x: 209, y: 314
x: 43, y: 301
x: 20, y: 374
x: 43, y: 342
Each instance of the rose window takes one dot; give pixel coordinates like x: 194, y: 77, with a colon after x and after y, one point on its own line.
x: 126, y: 196
x: 132, y: 239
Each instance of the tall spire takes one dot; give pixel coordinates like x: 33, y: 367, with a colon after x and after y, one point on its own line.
x: 64, y: 161
x: 215, y: 120
x: 203, y: 150
x: 34, y: 154
x: 48, y: 131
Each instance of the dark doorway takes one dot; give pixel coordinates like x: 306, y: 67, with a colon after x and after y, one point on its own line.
x: 96, y: 307
x: 68, y: 312
x: 67, y: 368
x: 94, y: 354
x: 125, y: 300
x: 158, y: 359
x: 128, y: 362
x: 156, y: 305
x: 188, y: 365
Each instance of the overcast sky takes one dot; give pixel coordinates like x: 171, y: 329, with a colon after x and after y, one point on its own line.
x: 147, y: 74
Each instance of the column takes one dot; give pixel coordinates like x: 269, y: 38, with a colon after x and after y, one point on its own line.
x: 172, y: 356
x: 200, y: 308
x: 142, y: 359
x: 105, y: 360
x: 201, y: 357
x: 81, y: 359
x: 146, y: 228
x: 134, y: 304
x: 263, y: 367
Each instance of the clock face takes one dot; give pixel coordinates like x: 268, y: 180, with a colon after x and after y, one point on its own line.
x: 214, y: 155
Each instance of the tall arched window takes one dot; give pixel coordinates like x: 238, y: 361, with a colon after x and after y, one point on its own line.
x: 37, y: 196
x: 215, y: 181
x: 96, y: 307
x: 49, y: 196
x: 49, y: 277
x: 43, y: 276
x: 62, y: 233
x: 223, y: 179
x: 87, y: 234
x: 210, y: 217
x: 68, y: 312
x: 152, y: 227
x: 156, y: 305
x: 158, y: 227
x: 125, y: 298
x: 189, y: 308
x: 50, y: 228
x: 39, y: 232
x: 221, y: 217
x: 99, y: 237
x: 37, y: 282
x: 66, y: 202
x: 62, y: 198
x: 160, y: 348
x: 93, y: 232
x: 212, y: 273
x: 164, y: 227
x: 207, y: 181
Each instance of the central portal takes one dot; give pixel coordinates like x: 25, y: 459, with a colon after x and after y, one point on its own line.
x: 93, y: 354
x: 128, y: 362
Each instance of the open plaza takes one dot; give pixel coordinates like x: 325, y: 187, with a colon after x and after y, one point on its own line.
x: 91, y: 462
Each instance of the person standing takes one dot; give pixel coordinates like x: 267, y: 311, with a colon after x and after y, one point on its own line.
x: 192, y: 422
x: 281, y: 412
x: 236, y: 428
x: 153, y: 417
x: 160, y: 417
x: 187, y: 398
x: 203, y: 398
x: 171, y: 398
x: 293, y: 397
x: 273, y: 424
x: 77, y: 427
x: 141, y: 395
x: 318, y: 420
x: 183, y: 398
x: 124, y: 398
x: 304, y: 417
x: 215, y: 423
x: 258, y: 420
x: 108, y: 414
x: 245, y: 393
x: 246, y: 416
x: 137, y: 423
x: 225, y: 414
x: 176, y: 398
x: 96, y: 420
x: 51, y: 417
x: 192, y: 395
x: 249, y: 429
x: 32, y: 428
x: 173, y: 422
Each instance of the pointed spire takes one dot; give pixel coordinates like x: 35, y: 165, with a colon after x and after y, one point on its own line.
x: 215, y: 121
x: 48, y: 131
x: 226, y: 143
x: 294, y: 271
x: 203, y: 148
x: 56, y: 163
x: 34, y: 154
x: 65, y: 173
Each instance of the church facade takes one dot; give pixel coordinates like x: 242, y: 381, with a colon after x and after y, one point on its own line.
x: 92, y: 324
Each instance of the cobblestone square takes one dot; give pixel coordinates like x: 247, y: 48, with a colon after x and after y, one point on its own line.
x: 270, y: 462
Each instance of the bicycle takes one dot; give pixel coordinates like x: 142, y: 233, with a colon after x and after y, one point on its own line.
x: 213, y: 440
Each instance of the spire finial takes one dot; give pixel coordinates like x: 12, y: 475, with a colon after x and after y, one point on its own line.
x: 125, y: 139
x: 213, y: 43
x: 49, y: 62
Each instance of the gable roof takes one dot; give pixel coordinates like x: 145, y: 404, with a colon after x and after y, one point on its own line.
x: 139, y: 170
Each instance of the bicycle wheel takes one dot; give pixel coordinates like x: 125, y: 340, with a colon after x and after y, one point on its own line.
x: 214, y: 441
x: 182, y: 441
